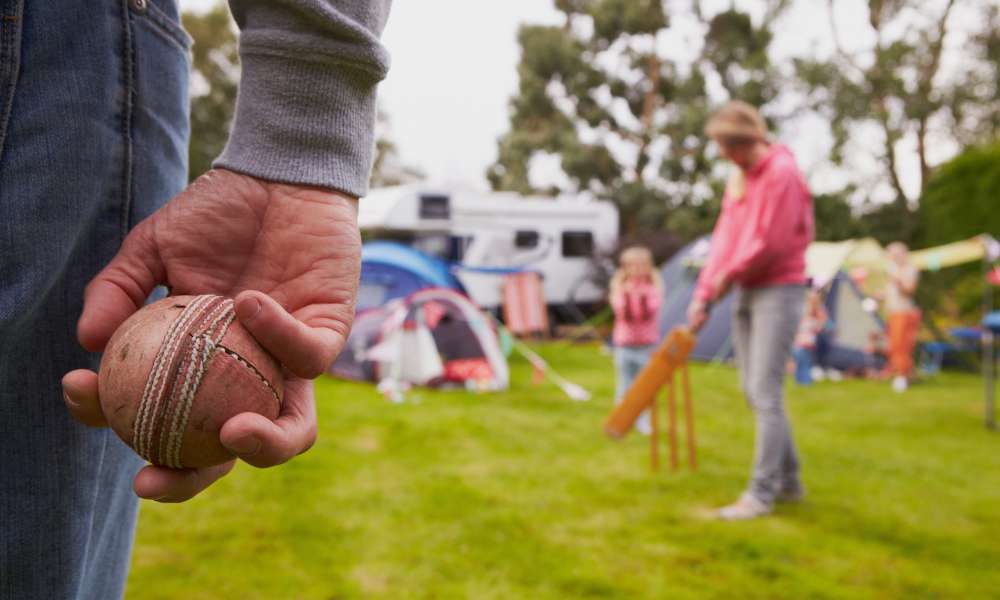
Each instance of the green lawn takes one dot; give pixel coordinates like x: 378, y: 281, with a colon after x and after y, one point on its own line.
x: 520, y: 496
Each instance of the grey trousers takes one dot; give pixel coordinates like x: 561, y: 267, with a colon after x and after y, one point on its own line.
x: 764, y: 324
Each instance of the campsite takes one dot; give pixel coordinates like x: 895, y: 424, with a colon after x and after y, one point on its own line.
x: 532, y: 299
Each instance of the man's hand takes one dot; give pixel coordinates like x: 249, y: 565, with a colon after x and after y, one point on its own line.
x: 697, y: 314
x: 289, y: 255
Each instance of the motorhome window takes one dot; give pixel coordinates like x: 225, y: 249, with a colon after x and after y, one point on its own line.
x: 526, y: 240
x: 577, y: 243
x: 457, y: 245
x: 434, y: 206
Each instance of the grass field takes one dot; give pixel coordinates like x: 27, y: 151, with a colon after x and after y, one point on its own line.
x: 520, y: 496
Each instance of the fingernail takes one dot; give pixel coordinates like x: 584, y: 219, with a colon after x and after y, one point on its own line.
x: 247, y: 309
x: 246, y: 446
x: 69, y: 400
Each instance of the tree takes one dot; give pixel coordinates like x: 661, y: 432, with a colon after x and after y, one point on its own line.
x: 963, y: 198
x: 624, y: 119
x: 897, y: 87
x: 388, y: 168
x: 215, y: 75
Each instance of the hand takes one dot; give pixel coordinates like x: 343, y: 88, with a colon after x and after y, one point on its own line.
x: 289, y: 255
x: 697, y: 314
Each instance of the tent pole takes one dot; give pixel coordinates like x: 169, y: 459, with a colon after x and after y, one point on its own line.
x: 989, y: 359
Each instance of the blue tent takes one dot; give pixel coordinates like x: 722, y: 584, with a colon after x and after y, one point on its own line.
x: 848, y: 334
x: 390, y: 270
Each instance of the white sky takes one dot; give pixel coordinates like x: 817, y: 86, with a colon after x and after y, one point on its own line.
x: 454, y: 71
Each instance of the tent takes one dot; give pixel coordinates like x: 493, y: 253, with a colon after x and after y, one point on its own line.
x: 852, y: 324
x: 434, y: 336
x: 390, y: 270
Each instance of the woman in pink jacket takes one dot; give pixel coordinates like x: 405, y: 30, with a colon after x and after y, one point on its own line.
x: 758, y: 246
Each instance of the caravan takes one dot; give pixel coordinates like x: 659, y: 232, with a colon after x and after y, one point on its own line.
x: 487, y: 234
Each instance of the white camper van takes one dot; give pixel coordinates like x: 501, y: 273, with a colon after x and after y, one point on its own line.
x: 488, y: 233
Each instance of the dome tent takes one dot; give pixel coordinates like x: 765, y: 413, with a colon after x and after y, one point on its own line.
x: 432, y: 337
x: 390, y: 270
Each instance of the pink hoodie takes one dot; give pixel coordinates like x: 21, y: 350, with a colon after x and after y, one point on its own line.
x: 637, y: 311
x: 760, y: 240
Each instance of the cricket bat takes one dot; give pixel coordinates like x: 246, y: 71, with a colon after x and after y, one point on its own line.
x: 672, y: 353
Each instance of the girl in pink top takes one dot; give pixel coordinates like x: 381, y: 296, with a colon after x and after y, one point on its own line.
x: 636, y: 295
x: 759, y: 246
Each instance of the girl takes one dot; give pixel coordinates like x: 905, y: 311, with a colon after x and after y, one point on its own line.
x: 636, y: 295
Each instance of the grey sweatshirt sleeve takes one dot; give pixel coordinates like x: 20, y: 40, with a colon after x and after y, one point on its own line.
x: 305, y: 112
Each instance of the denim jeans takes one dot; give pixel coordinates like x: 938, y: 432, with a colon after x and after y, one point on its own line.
x: 764, y: 324
x: 93, y: 138
x: 629, y: 361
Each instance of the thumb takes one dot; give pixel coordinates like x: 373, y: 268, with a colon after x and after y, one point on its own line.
x: 120, y: 288
x: 305, y: 350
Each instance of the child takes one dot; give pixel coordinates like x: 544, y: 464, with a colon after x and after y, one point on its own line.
x: 636, y: 295
x: 814, y: 318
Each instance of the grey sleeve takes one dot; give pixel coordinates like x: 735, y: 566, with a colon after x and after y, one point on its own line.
x: 305, y: 111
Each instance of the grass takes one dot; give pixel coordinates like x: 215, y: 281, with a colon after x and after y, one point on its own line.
x: 519, y: 495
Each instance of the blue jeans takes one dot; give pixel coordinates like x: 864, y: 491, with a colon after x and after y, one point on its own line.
x: 629, y: 361
x: 803, y: 358
x: 764, y: 325
x: 93, y: 138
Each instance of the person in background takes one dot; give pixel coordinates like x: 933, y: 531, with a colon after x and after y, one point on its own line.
x: 814, y: 319
x: 636, y: 294
x: 904, y: 316
x: 759, y: 245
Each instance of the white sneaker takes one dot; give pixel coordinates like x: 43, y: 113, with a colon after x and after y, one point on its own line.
x: 899, y: 384
x: 643, y: 426
x: 817, y: 374
x: 834, y: 375
x: 746, y: 508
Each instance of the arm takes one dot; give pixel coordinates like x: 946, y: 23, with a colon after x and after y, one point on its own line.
x: 774, y: 219
x: 275, y: 228
x: 705, y: 287
x: 305, y: 111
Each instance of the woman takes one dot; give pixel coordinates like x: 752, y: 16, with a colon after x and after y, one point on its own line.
x: 759, y: 246
x: 904, y: 316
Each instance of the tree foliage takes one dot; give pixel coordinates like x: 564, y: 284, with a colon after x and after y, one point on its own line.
x: 963, y: 198
x: 215, y: 74
x: 624, y: 118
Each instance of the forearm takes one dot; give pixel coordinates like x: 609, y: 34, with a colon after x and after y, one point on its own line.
x: 306, y: 106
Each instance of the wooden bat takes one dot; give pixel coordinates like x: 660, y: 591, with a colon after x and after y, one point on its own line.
x: 672, y: 353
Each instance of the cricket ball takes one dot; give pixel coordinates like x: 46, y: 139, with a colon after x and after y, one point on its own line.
x: 176, y: 371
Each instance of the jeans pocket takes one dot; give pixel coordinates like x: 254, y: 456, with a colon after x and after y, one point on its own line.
x: 163, y: 18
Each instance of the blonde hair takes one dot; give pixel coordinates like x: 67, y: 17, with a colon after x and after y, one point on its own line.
x: 637, y: 254
x: 740, y: 122
x: 737, y: 120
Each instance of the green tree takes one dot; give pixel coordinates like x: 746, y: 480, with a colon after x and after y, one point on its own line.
x: 624, y: 119
x: 897, y: 87
x: 215, y: 75
x: 963, y: 198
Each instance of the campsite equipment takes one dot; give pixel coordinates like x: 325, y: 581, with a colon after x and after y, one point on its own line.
x: 524, y: 304
x: 486, y: 234
x: 670, y: 357
x: 433, y: 337
x: 390, y: 270
x: 574, y: 391
x: 991, y: 329
x: 852, y: 325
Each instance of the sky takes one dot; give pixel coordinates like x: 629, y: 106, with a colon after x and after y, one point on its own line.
x: 454, y: 71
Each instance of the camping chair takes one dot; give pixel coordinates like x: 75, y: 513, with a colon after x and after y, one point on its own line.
x: 524, y: 310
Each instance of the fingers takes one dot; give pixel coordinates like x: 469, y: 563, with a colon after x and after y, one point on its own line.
x: 80, y: 396
x: 119, y: 289
x: 176, y: 485
x: 265, y: 443
x: 305, y: 351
